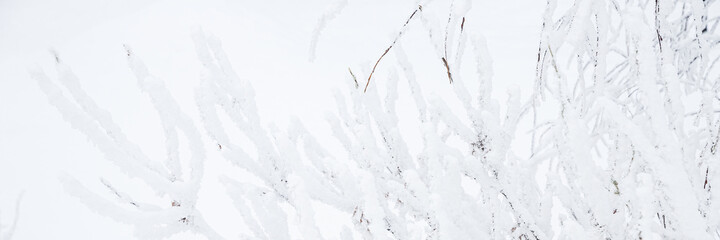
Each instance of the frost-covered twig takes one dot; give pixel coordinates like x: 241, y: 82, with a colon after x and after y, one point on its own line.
x: 167, y: 180
x: 8, y: 230
x: 328, y: 16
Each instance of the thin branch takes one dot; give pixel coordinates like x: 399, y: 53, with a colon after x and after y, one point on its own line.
x: 657, y: 25
x: 391, y: 45
x: 447, y: 67
x: 354, y: 78
x: 444, y: 59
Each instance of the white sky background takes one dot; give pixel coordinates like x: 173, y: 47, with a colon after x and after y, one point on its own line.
x: 268, y: 43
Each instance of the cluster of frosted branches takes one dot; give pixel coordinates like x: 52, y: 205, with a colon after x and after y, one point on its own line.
x: 166, y: 178
x: 631, y: 144
x: 625, y: 134
x: 386, y: 190
x: 276, y: 161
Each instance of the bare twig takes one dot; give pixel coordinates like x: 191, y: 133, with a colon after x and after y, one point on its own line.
x: 391, y: 45
x: 657, y: 25
x: 447, y: 67
x: 444, y: 58
x: 707, y: 170
x: 354, y: 78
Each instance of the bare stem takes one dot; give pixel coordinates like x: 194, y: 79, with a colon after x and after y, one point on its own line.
x: 391, y: 45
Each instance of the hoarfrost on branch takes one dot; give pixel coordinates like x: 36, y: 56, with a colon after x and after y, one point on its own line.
x: 625, y: 132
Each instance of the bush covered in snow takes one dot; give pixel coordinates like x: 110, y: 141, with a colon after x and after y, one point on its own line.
x: 623, y: 143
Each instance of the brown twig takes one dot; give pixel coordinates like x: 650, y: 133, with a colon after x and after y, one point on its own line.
x: 657, y: 25
x: 444, y: 58
x: 391, y: 45
x: 707, y: 170
x: 354, y: 78
x: 447, y: 67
